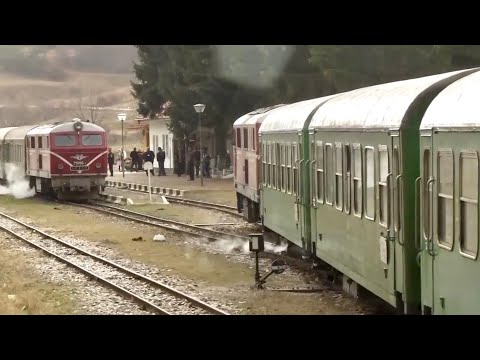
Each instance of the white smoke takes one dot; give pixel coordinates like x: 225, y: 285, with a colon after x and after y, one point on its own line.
x: 235, y: 245
x: 17, y: 185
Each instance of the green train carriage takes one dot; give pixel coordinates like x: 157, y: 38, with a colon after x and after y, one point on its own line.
x: 448, y: 197
x: 283, y: 201
x: 364, y: 147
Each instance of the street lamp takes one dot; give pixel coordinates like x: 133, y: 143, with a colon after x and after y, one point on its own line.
x: 122, y: 117
x: 199, y: 108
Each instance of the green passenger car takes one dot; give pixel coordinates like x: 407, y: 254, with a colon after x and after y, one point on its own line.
x: 448, y: 192
x: 364, y: 166
x: 284, y: 201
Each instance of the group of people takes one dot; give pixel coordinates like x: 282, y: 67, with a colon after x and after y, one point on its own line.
x: 194, y: 161
x: 138, y: 158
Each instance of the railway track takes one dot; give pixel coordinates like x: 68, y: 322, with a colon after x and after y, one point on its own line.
x: 231, y: 210
x: 194, y: 230
x: 149, y: 293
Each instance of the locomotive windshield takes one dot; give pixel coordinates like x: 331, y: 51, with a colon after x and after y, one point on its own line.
x: 65, y: 140
x: 92, y: 140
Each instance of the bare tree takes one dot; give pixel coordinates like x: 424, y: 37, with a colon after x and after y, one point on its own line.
x: 87, y: 107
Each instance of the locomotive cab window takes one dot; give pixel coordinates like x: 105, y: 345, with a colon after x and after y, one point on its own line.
x: 469, y: 204
x: 445, y: 198
x: 92, y: 140
x: 64, y: 140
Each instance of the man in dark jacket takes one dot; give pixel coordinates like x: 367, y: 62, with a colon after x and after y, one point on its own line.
x: 161, y: 162
x: 111, y: 160
x: 149, y: 156
x: 134, y: 157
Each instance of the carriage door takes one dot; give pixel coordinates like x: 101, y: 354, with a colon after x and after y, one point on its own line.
x: 424, y: 202
x: 299, y: 168
x: 396, y: 228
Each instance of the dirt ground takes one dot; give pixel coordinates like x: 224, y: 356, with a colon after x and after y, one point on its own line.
x: 23, y: 292
x: 217, y: 274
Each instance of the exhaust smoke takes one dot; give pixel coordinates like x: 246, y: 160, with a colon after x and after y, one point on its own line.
x: 17, y: 185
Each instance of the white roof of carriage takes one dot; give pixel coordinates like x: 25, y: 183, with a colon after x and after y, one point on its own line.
x: 255, y: 116
x: 4, y: 131
x: 380, y: 106
x: 456, y: 106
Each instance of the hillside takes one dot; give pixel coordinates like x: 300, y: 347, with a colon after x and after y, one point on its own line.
x: 37, y: 98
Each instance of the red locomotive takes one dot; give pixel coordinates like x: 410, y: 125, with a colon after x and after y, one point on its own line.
x: 67, y: 159
x: 246, y: 163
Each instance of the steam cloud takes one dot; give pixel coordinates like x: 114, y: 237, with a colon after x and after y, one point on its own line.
x: 17, y: 185
x: 230, y: 246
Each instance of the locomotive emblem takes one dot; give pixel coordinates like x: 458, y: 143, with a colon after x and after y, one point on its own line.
x: 79, y: 157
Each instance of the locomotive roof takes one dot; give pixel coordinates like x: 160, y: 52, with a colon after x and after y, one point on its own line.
x: 381, y: 106
x: 63, y: 127
x: 255, y: 116
x: 456, y: 106
x: 291, y: 117
x: 4, y: 131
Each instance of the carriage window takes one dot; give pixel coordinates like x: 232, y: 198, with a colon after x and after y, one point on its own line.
x: 289, y: 169
x: 48, y: 142
x: 339, y: 177
x: 268, y: 163
x: 253, y: 139
x: 245, y: 138
x: 445, y: 198
x: 278, y: 161
x: 469, y: 203
x: 64, y: 140
x: 320, y: 190
x: 382, y: 185
x: 370, y: 183
x: 329, y: 174
x: 357, y: 180
x: 40, y: 142
x: 32, y: 142
x: 348, y: 171
x: 274, y: 166
x: 92, y: 140
x: 295, y: 175
x: 283, y: 171
x: 239, y: 139
x: 426, y: 192
x: 264, y: 160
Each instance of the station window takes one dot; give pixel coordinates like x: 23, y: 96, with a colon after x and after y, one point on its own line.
x: 320, y: 185
x: 384, y: 168
x: 369, y: 183
x: 469, y: 203
x: 445, y: 198
x: 338, y: 177
x: 329, y: 186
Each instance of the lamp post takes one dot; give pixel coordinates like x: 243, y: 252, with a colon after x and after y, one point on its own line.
x: 199, y: 108
x: 122, y: 117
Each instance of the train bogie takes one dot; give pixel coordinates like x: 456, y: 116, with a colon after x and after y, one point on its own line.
x: 448, y: 200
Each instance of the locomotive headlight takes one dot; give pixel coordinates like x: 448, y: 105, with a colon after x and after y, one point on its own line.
x: 78, y: 125
x: 98, y: 165
x: 60, y: 166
